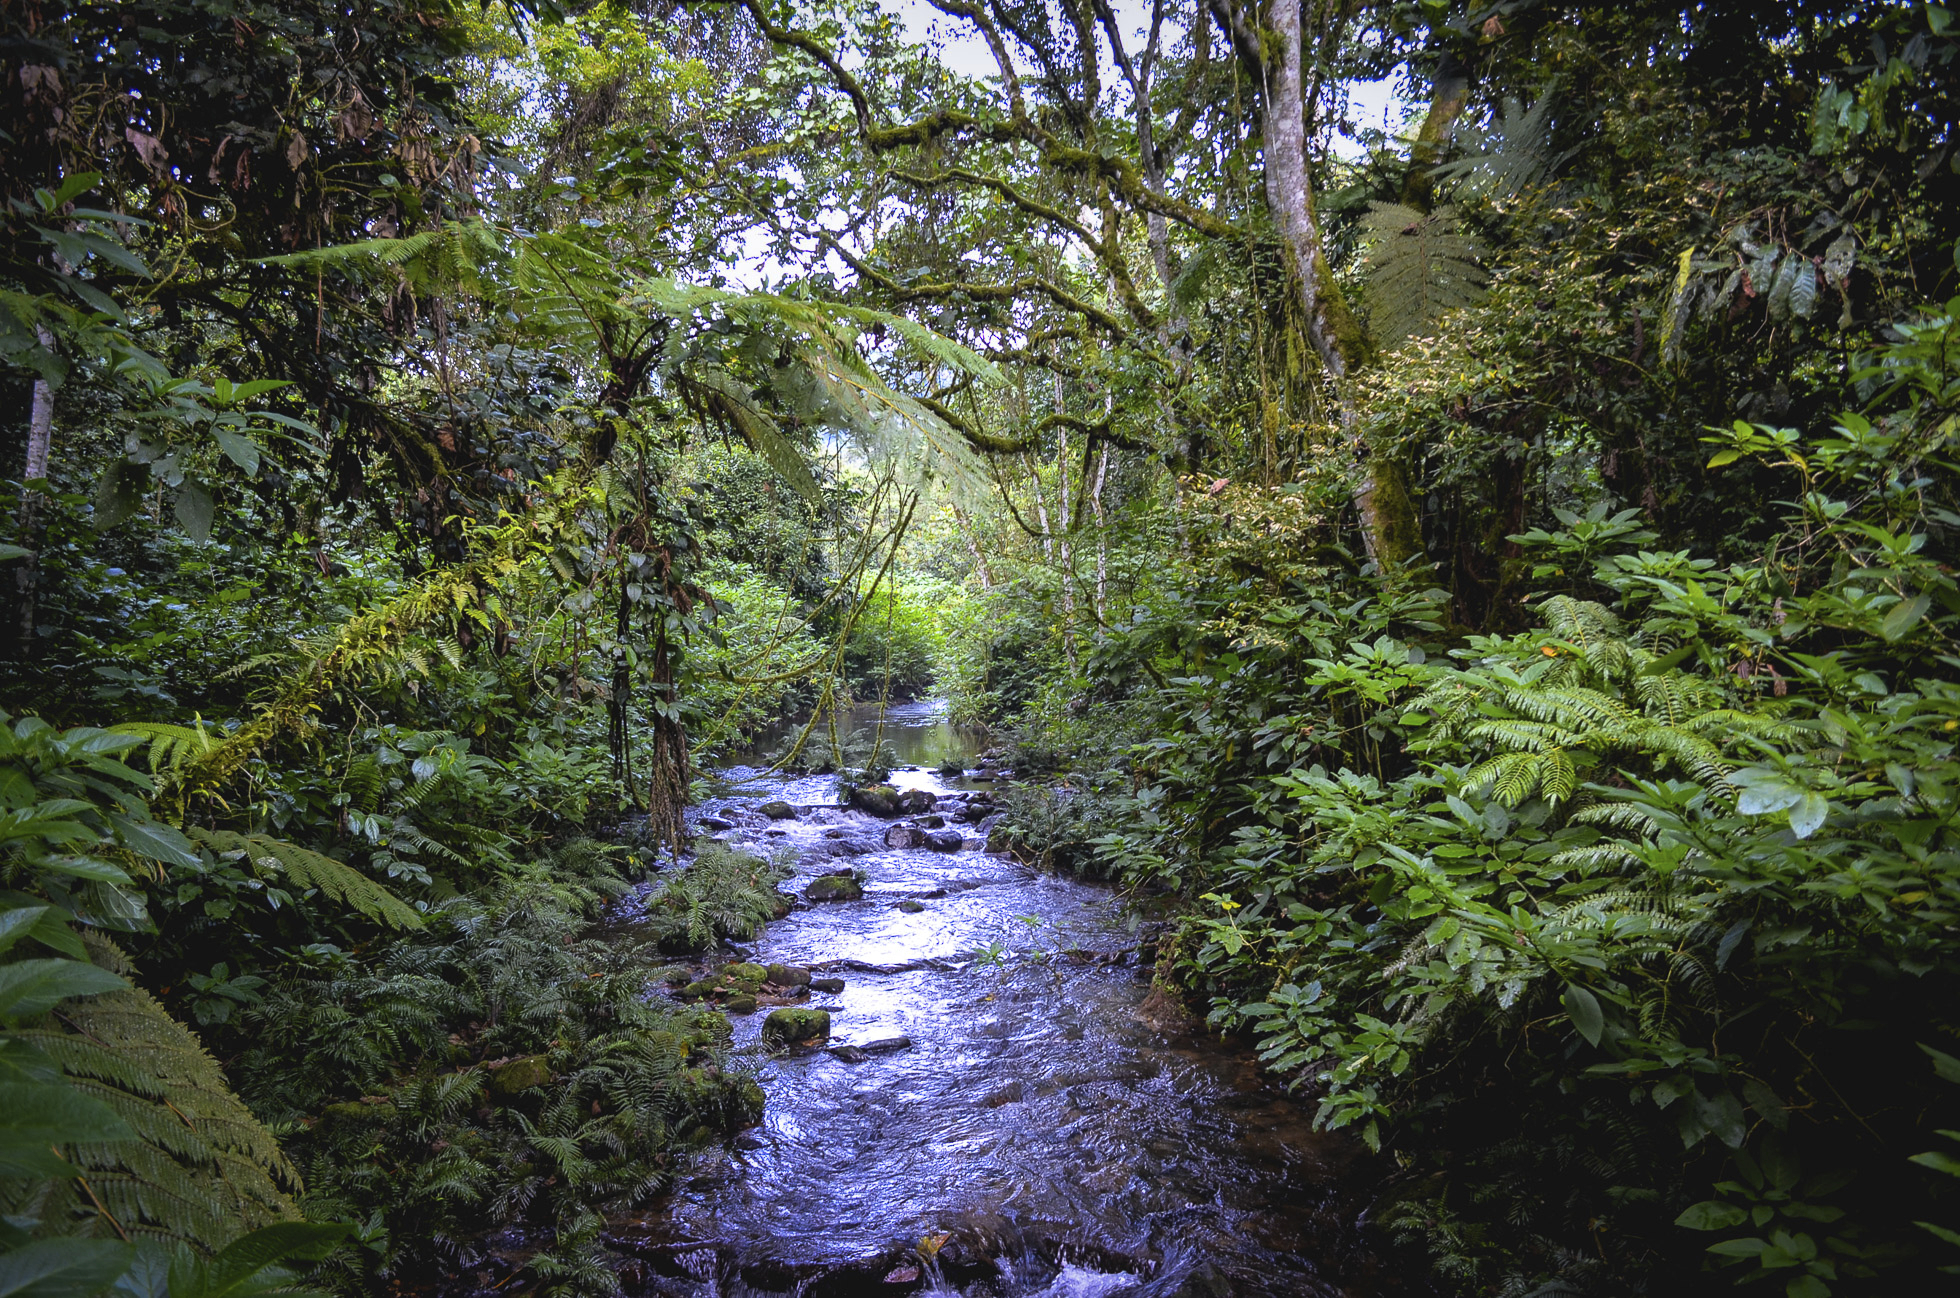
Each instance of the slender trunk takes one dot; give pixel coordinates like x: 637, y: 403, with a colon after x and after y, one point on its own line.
x: 1102, y: 535
x: 1064, y: 547
x: 40, y: 438
x: 972, y: 539
x: 1383, y: 500
x: 1040, y: 507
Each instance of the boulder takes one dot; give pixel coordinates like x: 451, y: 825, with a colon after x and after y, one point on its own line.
x: 831, y: 985
x: 945, y: 840
x: 745, y: 977
x: 878, y: 799
x: 520, y: 1075
x: 778, y: 810
x: 933, y: 821
x: 786, y: 975
x: 715, y: 823
x: 833, y: 887
x: 914, y: 801
x: 905, y: 836
x: 742, y: 1004
x: 794, y: 1026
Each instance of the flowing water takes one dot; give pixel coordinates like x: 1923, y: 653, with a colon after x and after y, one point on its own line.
x: 1046, y: 1128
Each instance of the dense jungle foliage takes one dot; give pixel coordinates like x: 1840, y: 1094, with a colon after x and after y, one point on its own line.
x: 1490, y: 572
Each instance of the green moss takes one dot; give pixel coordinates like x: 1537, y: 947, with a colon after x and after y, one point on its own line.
x: 787, y: 1026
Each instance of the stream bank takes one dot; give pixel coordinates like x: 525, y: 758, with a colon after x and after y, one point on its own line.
x: 1002, y: 1110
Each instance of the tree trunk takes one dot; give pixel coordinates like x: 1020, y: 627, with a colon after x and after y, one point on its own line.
x: 1388, y: 516
x: 40, y: 437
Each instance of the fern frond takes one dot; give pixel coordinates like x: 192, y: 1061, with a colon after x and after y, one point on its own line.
x: 309, y: 869
x: 202, y: 1170
x: 1419, y: 266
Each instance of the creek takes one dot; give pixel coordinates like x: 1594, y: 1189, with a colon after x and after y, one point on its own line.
x: 1050, y: 1126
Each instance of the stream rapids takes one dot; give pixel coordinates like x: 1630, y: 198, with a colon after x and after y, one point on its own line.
x: 1048, y: 1127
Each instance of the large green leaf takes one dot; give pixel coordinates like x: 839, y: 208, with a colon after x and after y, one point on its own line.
x: 63, y: 1268
x: 37, y: 1115
x: 30, y: 988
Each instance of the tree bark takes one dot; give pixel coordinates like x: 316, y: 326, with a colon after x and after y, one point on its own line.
x: 40, y: 438
x: 1388, y: 517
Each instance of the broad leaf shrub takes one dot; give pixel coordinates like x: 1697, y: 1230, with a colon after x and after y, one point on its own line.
x: 1632, y: 936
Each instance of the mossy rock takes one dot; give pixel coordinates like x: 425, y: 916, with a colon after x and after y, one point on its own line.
x: 745, y: 976
x: 520, y: 1075
x: 794, y: 1026
x: 710, y: 1027
x: 741, y: 1003
x: 354, y: 1112
x: 778, y: 810
x: 786, y: 975
x: 720, y: 1103
x: 911, y: 906
x: 834, y: 887
x: 701, y: 990
x: 878, y: 799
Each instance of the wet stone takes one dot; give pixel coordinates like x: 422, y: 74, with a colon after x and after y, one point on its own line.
x: 830, y: 985
x: 777, y: 810
x: 905, y: 836
x: 794, y: 1026
x: 945, y: 840
x: 833, y: 887
x: 911, y: 906
x: 878, y: 799
x: 784, y: 975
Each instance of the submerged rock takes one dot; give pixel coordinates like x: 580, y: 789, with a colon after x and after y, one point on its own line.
x: 911, y: 906
x: 795, y: 1026
x: 833, y: 887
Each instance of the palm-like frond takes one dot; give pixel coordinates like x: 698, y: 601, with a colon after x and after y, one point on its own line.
x: 1419, y: 266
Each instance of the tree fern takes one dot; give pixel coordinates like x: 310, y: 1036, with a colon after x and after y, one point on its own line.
x: 202, y: 1169
x: 1418, y: 267
x: 1517, y: 154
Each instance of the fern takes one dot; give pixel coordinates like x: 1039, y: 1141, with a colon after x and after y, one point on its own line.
x: 202, y: 1170
x: 309, y: 869
x: 1517, y: 156
x: 1418, y: 267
